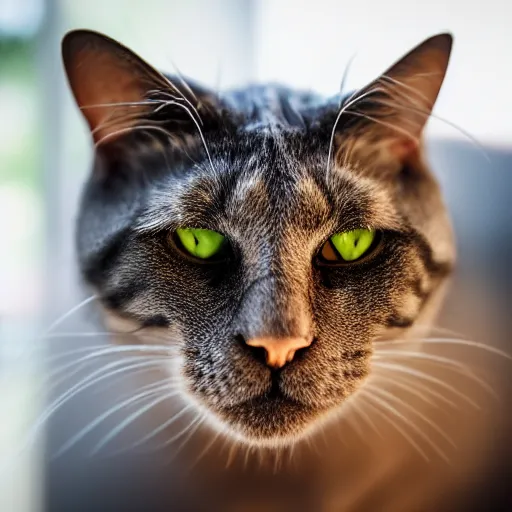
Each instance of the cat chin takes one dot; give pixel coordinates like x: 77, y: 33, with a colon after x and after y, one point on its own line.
x: 262, y: 427
x: 278, y: 439
x: 259, y: 422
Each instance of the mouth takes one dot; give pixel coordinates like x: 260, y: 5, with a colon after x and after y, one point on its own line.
x: 272, y: 418
x: 274, y: 396
x: 275, y: 391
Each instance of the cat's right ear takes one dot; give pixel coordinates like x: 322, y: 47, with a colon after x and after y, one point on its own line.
x: 117, y: 90
x: 109, y: 82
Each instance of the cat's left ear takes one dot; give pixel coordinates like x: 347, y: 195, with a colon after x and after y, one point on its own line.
x: 394, y: 108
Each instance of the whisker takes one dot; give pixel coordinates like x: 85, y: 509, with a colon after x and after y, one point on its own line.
x: 129, y: 129
x: 192, y: 428
x: 156, y: 388
x: 429, y: 114
x: 66, y: 315
x: 104, y: 353
x: 413, y: 426
x: 453, y: 341
x: 369, y: 420
x: 119, y: 378
x: 383, y: 123
x: 409, y: 389
x: 130, y: 419
x: 440, y: 330
x: 349, y: 102
x: 382, y: 354
x: 66, y: 376
x: 135, y: 331
x: 415, y: 387
x: 345, y: 77
x: 184, y: 82
x: 203, y: 140
x: 248, y: 450
x: 131, y: 118
x: 91, y: 334
x: 172, y: 86
x: 313, y: 446
x: 114, y: 120
x: 356, y: 426
x: 377, y: 402
x: 419, y: 414
x: 388, y: 79
x: 120, y: 104
x: 291, y: 451
x: 85, y: 383
x: 152, y: 127
x: 231, y: 454
x: 156, y: 92
x: 82, y: 366
x: 54, y: 384
x: 425, y: 376
x: 162, y: 427
x: 107, y: 350
x: 172, y: 383
x: 206, y: 449
x: 91, y: 352
x: 453, y: 365
x: 191, y: 109
x: 277, y: 460
x: 50, y: 360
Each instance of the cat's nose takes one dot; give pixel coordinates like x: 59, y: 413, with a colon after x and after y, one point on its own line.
x: 279, y: 351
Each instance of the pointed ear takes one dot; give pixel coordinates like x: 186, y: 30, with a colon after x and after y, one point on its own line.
x: 116, y: 90
x: 395, y: 108
x: 109, y: 82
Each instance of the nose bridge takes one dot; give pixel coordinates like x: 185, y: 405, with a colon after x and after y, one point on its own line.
x: 275, y: 307
x: 275, y: 317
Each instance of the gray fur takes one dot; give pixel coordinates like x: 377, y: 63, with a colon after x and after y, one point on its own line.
x: 267, y: 189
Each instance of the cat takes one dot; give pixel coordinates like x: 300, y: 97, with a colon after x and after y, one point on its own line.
x: 270, y: 238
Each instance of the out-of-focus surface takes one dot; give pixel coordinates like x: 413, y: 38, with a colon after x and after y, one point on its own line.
x: 45, y: 153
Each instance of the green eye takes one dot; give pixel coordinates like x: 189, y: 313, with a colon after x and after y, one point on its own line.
x: 201, y: 243
x: 348, y: 246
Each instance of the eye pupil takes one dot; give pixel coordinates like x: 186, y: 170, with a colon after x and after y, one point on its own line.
x: 201, y: 243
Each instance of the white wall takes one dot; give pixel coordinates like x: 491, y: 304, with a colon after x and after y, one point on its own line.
x: 308, y: 43
x: 208, y: 40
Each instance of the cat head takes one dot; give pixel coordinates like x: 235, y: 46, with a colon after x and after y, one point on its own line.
x: 271, y: 236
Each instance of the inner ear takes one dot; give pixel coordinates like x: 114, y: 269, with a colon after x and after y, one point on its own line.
x: 395, y: 107
x: 109, y: 82
x: 404, y: 149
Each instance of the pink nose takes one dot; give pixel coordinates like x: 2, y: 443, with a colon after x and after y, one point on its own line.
x: 279, y: 351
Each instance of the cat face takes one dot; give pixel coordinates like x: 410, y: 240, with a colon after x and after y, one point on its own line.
x: 273, y: 336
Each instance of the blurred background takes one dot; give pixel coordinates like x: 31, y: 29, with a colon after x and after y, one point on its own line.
x: 45, y: 150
